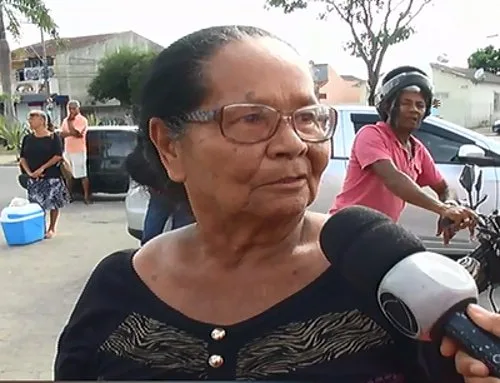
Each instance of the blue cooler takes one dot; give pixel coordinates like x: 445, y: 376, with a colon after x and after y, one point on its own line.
x: 23, y: 225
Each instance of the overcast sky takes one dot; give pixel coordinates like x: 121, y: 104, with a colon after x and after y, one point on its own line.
x: 454, y: 27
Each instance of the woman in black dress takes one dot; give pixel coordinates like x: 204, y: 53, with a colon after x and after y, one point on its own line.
x: 230, y: 121
x: 41, y: 154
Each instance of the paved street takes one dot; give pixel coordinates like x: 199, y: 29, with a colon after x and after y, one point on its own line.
x: 39, y: 283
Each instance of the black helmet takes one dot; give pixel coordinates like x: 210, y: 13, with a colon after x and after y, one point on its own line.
x: 396, y: 81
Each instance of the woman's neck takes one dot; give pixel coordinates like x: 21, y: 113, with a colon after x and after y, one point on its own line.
x: 41, y: 132
x: 236, y: 241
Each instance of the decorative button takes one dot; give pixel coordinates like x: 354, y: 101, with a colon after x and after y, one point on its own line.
x: 218, y: 333
x: 215, y: 361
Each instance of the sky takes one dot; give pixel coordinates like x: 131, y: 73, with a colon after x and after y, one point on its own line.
x: 452, y: 27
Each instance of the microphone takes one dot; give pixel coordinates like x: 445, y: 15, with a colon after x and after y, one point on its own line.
x: 422, y: 294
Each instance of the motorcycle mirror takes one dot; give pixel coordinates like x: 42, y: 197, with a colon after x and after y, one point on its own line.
x: 479, y: 185
x: 466, y: 179
x: 480, y: 202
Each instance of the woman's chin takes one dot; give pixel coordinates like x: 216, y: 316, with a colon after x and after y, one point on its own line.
x: 282, y: 207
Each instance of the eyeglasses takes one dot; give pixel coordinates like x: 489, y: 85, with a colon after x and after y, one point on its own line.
x: 253, y: 123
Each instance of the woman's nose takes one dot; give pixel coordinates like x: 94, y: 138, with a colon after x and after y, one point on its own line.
x: 286, y: 141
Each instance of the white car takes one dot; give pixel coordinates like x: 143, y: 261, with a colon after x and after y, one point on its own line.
x: 136, y: 204
x: 443, y: 139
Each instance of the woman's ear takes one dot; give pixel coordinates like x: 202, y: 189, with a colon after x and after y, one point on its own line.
x: 169, y: 150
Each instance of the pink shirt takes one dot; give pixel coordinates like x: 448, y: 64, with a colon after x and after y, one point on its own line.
x: 75, y: 144
x: 363, y: 187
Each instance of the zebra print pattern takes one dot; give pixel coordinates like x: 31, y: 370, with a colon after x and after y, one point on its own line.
x: 299, y: 345
x: 158, y: 345
x: 294, y: 346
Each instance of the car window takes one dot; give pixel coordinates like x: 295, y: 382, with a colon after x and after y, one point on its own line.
x: 442, y: 144
x: 119, y: 143
x: 361, y: 119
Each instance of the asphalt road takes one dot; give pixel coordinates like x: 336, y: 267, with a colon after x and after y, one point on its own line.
x: 39, y: 283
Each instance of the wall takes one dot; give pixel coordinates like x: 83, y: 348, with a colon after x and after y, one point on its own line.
x: 76, y: 68
x: 340, y: 91
x: 463, y: 102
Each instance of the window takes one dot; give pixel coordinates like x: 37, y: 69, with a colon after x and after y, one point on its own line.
x: 119, y: 144
x: 496, y: 102
x: 442, y: 144
x: 362, y: 119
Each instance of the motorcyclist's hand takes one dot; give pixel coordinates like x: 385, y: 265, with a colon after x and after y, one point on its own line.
x: 453, y: 219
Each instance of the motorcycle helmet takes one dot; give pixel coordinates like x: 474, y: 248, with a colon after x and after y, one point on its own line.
x: 397, y: 80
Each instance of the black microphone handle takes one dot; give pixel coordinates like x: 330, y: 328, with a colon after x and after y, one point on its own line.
x: 478, y: 343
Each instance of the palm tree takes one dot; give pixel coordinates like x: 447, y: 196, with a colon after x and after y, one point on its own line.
x: 36, y: 13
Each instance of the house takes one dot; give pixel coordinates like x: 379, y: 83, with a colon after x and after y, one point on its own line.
x: 72, y: 64
x: 465, y: 100
x: 333, y: 88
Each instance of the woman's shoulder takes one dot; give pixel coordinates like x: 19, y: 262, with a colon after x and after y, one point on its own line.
x: 166, y: 247
x: 117, y: 262
x: 112, y: 273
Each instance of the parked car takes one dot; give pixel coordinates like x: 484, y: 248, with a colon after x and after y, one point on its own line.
x: 495, y: 128
x: 107, y: 150
x: 443, y: 139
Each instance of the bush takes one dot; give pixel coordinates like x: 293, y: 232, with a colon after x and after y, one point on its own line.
x: 12, y: 133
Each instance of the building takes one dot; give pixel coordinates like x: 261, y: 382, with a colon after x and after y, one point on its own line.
x: 333, y: 88
x: 465, y: 100
x: 72, y: 64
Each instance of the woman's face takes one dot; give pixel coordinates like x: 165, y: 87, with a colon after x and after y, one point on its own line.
x: 35, y: 120
x: 277, y: 176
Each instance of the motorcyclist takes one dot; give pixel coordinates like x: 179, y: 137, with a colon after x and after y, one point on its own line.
x: 388, y: 166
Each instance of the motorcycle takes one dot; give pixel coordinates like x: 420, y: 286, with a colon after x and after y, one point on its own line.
x: 484, y: 261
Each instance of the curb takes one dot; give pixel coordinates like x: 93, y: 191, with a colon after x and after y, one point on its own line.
x: 11, y: 164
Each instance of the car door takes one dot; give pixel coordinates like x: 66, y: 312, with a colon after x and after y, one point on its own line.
x: 334, y: 174
x: 443, y: 146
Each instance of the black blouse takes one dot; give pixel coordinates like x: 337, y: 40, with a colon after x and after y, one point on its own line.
x: 38, y: 150
x: 120, y: 330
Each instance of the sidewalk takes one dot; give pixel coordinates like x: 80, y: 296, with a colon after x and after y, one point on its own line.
x: 7, y: 159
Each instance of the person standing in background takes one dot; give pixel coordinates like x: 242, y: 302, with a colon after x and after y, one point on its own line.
x: 74, y: 132
x: 41, y: 154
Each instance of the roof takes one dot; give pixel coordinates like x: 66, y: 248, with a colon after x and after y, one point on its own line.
x: 348, y: 77
x: 52, y: 46
x: 467, y: 73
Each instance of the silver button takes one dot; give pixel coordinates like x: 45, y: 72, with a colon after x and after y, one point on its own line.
x: 215, y: 361
x: 218, y: 333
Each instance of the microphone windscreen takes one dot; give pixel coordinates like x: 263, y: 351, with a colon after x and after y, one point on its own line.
x: 365, y: 244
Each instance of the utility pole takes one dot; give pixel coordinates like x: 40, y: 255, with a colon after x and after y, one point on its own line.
x: 45, y: 70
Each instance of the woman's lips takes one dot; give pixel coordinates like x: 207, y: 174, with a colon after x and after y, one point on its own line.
x: 288, y: 181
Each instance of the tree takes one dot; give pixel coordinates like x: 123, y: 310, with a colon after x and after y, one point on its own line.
x: 487, y: 58
x: 120, y: 76
x: 375, y: 25
x: 36, y: 13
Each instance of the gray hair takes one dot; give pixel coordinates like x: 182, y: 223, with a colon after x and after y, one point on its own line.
x: 74, y: 103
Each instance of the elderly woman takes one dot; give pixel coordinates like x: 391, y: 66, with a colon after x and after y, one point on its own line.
x: 41, y: 154
x: 230, y: 121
